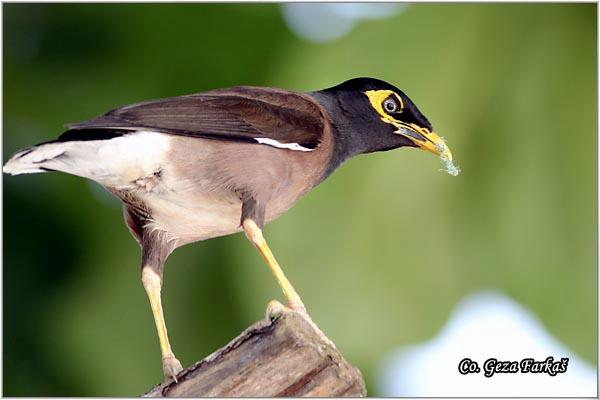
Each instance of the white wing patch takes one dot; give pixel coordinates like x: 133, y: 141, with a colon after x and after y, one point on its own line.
x: 275, y: 143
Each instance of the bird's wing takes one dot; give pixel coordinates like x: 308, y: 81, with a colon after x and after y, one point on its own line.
x: 281, y: 118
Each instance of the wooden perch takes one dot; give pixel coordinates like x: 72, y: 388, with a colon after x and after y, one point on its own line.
x: 283, y: 355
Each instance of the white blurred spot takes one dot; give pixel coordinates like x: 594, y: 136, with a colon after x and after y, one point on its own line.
x: 324, y: 22
x: 483, y: 326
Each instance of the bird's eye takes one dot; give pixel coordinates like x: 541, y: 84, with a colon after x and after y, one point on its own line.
x: 390, y: 105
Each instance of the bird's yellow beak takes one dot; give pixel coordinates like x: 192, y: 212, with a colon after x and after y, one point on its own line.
x: 425, y: 140
x: 429, y: 141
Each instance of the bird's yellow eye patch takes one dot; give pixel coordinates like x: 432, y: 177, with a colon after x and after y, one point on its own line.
x: 385, y: 102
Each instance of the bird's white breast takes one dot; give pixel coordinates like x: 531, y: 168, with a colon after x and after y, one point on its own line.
x: 195, y: 216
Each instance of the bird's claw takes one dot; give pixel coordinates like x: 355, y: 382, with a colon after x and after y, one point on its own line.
x: 275, y: 309
x: 171, y: 367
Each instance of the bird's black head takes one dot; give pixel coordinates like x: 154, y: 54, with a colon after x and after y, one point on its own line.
x: 373, y: 115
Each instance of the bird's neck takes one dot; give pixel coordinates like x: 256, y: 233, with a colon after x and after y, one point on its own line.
x: 347, y: 142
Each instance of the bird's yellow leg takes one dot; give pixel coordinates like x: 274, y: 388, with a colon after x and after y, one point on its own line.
x: 254, y: 234
x: 153, y: 283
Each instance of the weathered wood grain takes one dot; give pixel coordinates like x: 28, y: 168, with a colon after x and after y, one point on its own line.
x: 283, y: 355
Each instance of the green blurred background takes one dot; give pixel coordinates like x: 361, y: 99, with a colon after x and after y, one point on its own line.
x: 381, y: 252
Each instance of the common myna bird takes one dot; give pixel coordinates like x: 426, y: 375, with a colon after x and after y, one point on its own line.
x: 195, y: 167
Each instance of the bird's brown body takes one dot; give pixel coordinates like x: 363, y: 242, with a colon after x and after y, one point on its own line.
x: 195, y: 167
x: 201, y: 195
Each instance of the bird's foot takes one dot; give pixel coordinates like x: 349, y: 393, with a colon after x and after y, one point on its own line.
x: 275, y: 309
x: 171, y: 367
